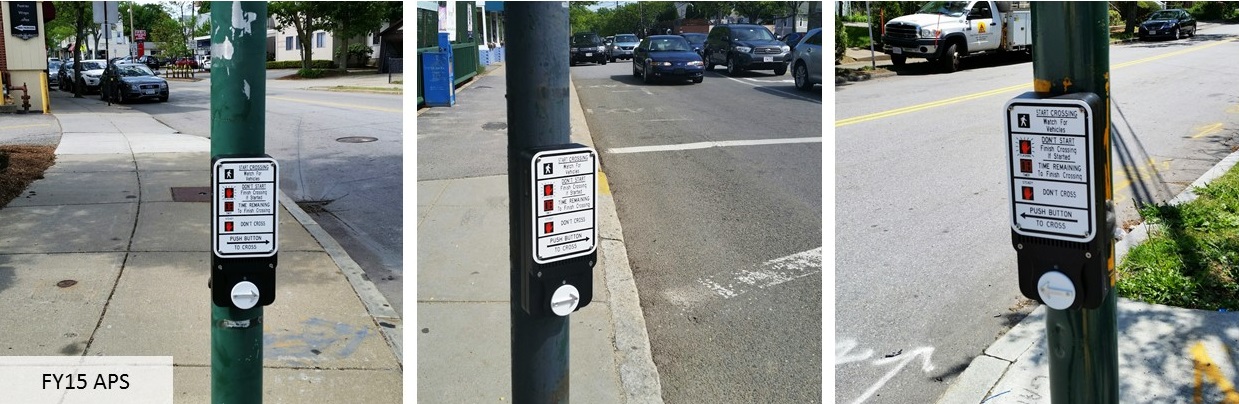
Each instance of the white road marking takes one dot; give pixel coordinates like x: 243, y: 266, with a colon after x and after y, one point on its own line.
x: 669, y: 120
x: 773, y: 89
x: 781, y: 81
x: 705, y: 145
x: 647, y: 91
x: 770, y: 273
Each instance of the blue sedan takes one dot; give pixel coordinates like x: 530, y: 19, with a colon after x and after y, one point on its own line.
x: 666, y: 56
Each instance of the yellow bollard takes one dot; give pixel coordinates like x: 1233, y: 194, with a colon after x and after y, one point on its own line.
x: 47, y: 105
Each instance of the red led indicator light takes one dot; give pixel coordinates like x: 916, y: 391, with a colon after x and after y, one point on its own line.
x: 228, y: 193
x: 547, y: 190
x: 548, y: 227
x: 228, y: 206
x: 227, y: 226
x: 548, y: 205
x: 1025, y: 147
x: 1028, y: 193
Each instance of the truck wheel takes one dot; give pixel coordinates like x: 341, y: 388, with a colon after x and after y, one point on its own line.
x: 950, y: 59
x: 899, y: 60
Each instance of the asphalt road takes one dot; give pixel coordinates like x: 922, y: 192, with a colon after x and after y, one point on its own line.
x: 354, y: 190
x: 925, y: 270
x: 724, y: 242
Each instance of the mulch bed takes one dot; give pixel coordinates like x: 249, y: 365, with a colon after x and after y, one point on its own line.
x: 26, y: 164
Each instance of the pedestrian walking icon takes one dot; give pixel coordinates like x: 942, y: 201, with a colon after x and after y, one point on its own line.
x: 548, y: 169
x: 227, y: 173
x: 1023, y: 121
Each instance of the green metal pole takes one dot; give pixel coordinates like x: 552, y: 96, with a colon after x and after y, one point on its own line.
x: 537, y: 81
x: 1071, y: 54
x: 238, y: 127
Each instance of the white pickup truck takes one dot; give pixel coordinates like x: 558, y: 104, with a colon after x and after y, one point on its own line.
x: 945, y: 31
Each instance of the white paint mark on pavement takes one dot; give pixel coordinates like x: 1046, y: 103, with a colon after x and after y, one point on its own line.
x: 770, y: 273
x: 670, y: 120
x: 843, y: 354
x: 773, y: 89
x: 843, y: 349
x: 706, y: 145
x: 647, y: 91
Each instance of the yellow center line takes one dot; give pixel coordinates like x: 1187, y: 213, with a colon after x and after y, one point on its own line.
x: 25, y: 126
x: 949, y: 101
x: 333, y: 104
x: 1208, y: 130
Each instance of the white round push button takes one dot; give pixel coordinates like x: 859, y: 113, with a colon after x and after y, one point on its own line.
x: 1056, y: 290
x: 244, y: 295
x: 564, y: 300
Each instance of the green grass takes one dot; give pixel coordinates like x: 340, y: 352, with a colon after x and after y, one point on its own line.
x: 1191, y: 258
x: 858, y: 37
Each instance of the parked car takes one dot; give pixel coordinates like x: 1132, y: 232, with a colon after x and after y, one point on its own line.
x: 150, y: 61
x: 53, y: 70
x: 123, y: 82
x: 64, y: 76
x: 92, y: 70
x: 587, y: 46
x: 622, y: 47
x: 792, y: 39
x: 206, y: 64
x: 1168, y: 23
x: 697, y: 41
x: 745, y: 47
x: 666, y: 56
x: 807, y: 60
x: 187, y: 61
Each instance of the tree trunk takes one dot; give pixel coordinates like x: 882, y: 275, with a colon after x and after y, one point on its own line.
x: 1129, y: 17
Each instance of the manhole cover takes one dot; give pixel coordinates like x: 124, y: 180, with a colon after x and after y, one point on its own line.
x: 66, y: 283
x: 495, y: 126
x: 357, y: 139
x: 191, y: 194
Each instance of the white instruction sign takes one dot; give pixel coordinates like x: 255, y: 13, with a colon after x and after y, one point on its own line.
x: 565, y: 195
x: 1049, y: 154
x: 244, y: 207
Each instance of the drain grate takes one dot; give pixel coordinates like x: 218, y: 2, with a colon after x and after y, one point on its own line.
x: 191, y: 194
x: 357, y: 139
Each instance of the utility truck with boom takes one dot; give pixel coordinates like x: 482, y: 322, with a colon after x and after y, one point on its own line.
x: 946, y: 31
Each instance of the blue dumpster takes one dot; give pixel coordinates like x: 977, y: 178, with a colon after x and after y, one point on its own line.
x: 437, y: 76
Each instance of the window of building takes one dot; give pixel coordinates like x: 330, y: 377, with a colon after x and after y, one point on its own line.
x: 288, y: 43
x: 319, y: 39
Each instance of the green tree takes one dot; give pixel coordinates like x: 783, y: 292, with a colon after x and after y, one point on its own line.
x: 75, y: 15
x: 305, y: 17
x: 759, y: 12
x: 715, y: 10
x: 581, y: 18
x: 348, y: 20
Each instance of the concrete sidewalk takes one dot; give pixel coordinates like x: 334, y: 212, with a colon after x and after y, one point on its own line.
x: 463, y: 330
x: 105, y: 217
x: 1166, y: 354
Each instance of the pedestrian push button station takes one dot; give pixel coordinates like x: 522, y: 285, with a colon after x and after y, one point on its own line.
x: 1061, y: 221
x: 244, y: 230
x: 559, y: 234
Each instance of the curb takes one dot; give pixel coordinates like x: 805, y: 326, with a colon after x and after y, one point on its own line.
x: 385, y: 317
x: 984, y: 375
x: 638, y: 374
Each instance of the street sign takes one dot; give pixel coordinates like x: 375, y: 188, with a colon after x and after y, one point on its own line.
x: 139, y: 35
x: 244, y: 207
x: 565, y: 183
x: 24, y: 19
x: 1049, y: 154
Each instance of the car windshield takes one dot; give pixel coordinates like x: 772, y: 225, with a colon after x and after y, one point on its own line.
x: 668, y: 44
x: 585, y: 40
x: 948, y: 8
x: 91, y: 65
x: 695, y: 38
x: 752, y: 34
x: 1164, y: 15
x: 53, y: 65
x: 133, y: 71
x: 626, y: 38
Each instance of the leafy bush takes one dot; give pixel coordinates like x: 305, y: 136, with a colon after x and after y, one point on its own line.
x: 310, y: 73
x: 841, y: 39
x: 296, y: 64
x: 1211, y: 10
x: 1115, y: 17
x: 358, y: 54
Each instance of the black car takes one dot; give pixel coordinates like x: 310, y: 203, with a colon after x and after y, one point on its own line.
x: 1168, y: 23
x: 64, y: 76
x: 746, y: 47
x: 123, y: 82
x: 697, y: 41
x: 792, y: 39
x: 666, y: 56
x: 587, y: 47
